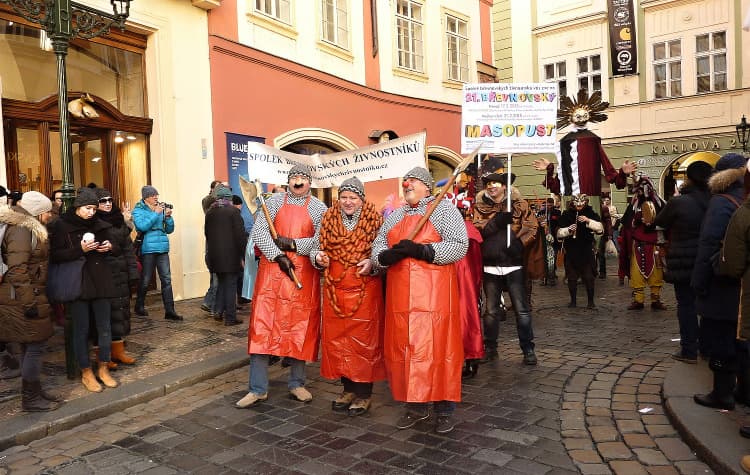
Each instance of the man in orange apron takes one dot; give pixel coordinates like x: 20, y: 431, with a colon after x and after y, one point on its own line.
x: 285, y: 320
x: 422, y: 344
x: 352, y: 298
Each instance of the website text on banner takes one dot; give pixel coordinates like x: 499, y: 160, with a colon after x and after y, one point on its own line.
x: 509, y: 118
x: 390, y: 159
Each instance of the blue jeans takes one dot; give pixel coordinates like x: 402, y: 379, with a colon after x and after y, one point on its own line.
x: 31, y: 360
x: 160, y: 262
x: 226, y: 295
x: 687, y: 318
x: 80, y: 311
x: 494, y: 312
x: 259, y: 374
x: 209, y: 300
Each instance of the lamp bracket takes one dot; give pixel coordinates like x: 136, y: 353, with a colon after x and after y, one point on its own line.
x: 85, y: 22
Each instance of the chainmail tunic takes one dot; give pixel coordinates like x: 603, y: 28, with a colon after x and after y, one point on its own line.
x: 447, y: 221
x: 261, y: 234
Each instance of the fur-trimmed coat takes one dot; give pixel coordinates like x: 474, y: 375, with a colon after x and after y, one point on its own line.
x: 24, y: 310
x: 717, y: 297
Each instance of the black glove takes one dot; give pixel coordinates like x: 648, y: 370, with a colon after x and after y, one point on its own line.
x: 285, y: 264
x: 285, y: 244
x: 504, y: 218
x: 423, y: 252
x: 390, y: 256
x: 32, y: 313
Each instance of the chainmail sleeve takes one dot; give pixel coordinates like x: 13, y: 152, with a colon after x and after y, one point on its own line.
x: 381, y: 242
x: 261, y: 233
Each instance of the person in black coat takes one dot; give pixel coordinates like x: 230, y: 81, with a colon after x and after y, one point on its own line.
x: 78, y: 233
x: 226, y: 239
x: 681, y: 218
x: 124, y: 272
x: 718, y: 297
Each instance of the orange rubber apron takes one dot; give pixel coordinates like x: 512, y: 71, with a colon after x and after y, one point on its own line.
x: 285, y: 321
x: 423, y: 345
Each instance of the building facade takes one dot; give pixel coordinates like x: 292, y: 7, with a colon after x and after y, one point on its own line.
x: 691, y: 88
x: 150, y: 90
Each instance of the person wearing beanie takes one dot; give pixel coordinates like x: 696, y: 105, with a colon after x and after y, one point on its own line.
x: 226, y: 240
x: 154, y: 220
x: 285, y: 319
x: 413, y: 308
x: 25, y: 317
x: 352, y: 346
x: 718, y: 296
x: 124, y: 272
x: 680, y: 221
x: 79, y: 233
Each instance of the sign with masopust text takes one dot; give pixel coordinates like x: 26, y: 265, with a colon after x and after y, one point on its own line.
x: 509, y: 118
x: 391, y: 159
x: 622, y: 40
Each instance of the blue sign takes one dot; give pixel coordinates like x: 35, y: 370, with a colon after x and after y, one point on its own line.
x: 237, y: 166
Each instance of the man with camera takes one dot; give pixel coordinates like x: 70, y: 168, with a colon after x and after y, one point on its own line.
x: 154, y: 220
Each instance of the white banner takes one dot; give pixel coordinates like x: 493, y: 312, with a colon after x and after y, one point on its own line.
x: 390, y: 159
x: 509, y: 118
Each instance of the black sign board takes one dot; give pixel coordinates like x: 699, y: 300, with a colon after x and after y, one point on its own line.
x: 622, y: 37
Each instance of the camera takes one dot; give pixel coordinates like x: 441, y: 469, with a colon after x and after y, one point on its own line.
x: 165, y: 205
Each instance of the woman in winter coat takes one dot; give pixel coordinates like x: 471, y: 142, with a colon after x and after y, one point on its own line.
x: 681, y: 218
x: 124, y: 271
x: 24, y: 310
x: 79, y: 233
x: 717, y: 296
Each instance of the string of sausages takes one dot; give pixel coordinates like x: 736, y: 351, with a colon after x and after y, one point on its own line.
x: 347, y: 248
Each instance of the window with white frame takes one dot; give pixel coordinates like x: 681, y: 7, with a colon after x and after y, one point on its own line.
x: 711, y: 61
x: 457, y: 37
x: 409, y: 30
x: 335, y: 22
x: 278, y: 9
x: 668, y: 69
x: 556, y: 72
x: 590, y: 73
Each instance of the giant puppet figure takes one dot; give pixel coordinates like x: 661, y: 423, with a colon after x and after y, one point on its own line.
x: 580, y: 156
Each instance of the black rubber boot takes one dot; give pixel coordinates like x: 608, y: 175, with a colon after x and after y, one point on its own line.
x: 572, y: 292
x: 9, y: 366
x: 722, y: 395
x: 32, y: 399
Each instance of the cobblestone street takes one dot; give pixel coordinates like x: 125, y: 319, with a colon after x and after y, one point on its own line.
x: 591, y: 406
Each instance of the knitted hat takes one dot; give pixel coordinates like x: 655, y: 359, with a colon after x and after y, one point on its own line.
x: 354, y: 185
x: 148, y: 191
x: 35, y: 203
x: 731, y: 160
x: 297, y: 170
x: 86, y: 196
x: 222, y: 193
x: 421, y: 174
x: 699, y: 172
x: 102, y: 193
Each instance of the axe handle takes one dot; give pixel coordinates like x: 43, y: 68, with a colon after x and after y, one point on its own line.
x: 274, y: 235
x: 431, y: 208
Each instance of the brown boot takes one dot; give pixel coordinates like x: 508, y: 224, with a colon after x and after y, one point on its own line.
x: 32, y: 400
x: 119, y: 354
x: 89, y: 381
x: 105, y: 377
x: 635, y: 306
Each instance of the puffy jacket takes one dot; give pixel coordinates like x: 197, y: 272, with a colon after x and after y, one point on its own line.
x: 124, y: 270
x: 154, y: 226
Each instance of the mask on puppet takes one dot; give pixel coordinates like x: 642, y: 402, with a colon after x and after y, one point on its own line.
x: 580, y: 200
x: 581, y: 110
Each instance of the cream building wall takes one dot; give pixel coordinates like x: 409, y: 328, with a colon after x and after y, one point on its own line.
x: 178, y: 99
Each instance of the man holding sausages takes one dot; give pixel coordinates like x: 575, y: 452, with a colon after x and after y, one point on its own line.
x: 422, y: 342
x: 285, y: 319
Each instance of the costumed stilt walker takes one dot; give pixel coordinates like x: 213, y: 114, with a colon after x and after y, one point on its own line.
x: 640, y: 258
x: 352, y: 329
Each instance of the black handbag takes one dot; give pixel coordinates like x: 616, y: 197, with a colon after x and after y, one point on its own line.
x: 138, y: 244
x: 64, y: 280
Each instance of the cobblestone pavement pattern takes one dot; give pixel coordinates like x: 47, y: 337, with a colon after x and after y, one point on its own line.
x: 591, y: 406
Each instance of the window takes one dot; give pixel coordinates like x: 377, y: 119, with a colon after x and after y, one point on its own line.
x: 711, y: 61
x: 590, y: 73
x: 335, y: 29
x: 668, y: 69
x: 457, y: 37
x: 409, y: 30
x: 555, y: 72
x: 278, y: 9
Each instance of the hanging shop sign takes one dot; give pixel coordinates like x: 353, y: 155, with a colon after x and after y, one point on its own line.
x: 622, y: 39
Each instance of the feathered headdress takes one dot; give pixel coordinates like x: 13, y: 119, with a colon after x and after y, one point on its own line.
x: 583, y: 109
